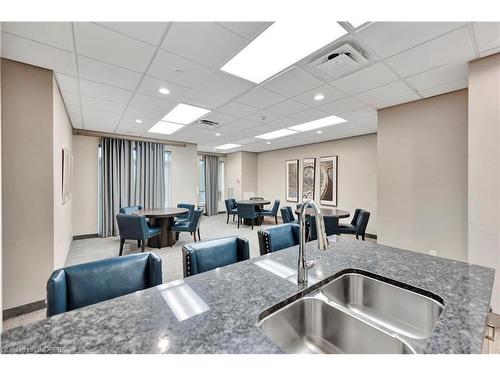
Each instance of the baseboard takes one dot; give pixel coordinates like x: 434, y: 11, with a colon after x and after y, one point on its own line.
x: 371, y: 235
x: 85, y: 236
x: 23, y: 309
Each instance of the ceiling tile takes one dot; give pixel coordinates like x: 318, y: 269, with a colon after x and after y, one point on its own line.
x: 128, y: 125
x: 487, y: 35
x: 144, y: 113
x: 445, y: 88
x: 108, y: 74
x: 365, y: 79
x: 109, y: 46
x: 71, y: 99
x: 220, y: 118
x: 243, y: 124
x: 105, y: 92
x: 453, y: 47
x: 151, y: 85
x: 248, y: 30
x: 149, y: 32
x: 329, y: 92
x: 176, y: 69
x: 264, y: 116
x: 56, y: 34
x: 367, y: 111
x: 152, y: 102
x: 260, y: 98
x: 97, y: 120
x: 67, y: 83
x: 219, y: 88
x: 293, y: 82
x: 439, y: 76
x: 237, y: 109
x: 102, y: 105
x: 385, y: 92
x: 342, y: 105
x: 392, y: 102
x: 389, y: 38
x: 29, y: 52
x: 310, y: 115
x: 288, y: 107
x: 204, y: 42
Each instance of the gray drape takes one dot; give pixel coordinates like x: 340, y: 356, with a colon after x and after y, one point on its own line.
x: 212, y: 184
x: 132, y: 173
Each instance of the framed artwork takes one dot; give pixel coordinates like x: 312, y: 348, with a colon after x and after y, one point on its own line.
x: 67, y: 171
x: 328, y: 180
x: 292, y: 180
x: 308, y: 178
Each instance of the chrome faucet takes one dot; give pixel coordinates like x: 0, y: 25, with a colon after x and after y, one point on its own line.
x: 320, y: 233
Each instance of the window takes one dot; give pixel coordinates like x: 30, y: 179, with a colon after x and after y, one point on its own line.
x: 201, y: 181
x: 168, y: 178
x: 220, y: 196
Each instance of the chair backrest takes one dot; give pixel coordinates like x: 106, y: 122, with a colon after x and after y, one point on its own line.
x: 246, y: 211
x: 228, y: 204
x: 290, y: 213
x: 194, y: 223
x: 285, y: 215
x: 132, y: 227
x: 208, y: 255
x: 278, y: 237
x: 276, y: 206
x: 256, y: 198
x: 189, y: 207
x: 77, y: 286
x: 362, y: 222
x: 130, y: 210
x: 331, y: 226
x: 355, y: 216
x: 299, y: 205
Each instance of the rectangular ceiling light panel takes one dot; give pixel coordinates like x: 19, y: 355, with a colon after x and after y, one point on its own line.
x: 227, y: 146
x: 281, y: 45
x: 185, y: 114
x: 316, y: 124
x: 276, y: 134
x: 163, y: 127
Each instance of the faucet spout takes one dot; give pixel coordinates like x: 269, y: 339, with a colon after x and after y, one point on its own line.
x: 302, y: 277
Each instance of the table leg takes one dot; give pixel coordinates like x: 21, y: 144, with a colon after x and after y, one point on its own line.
x: 167, y: 237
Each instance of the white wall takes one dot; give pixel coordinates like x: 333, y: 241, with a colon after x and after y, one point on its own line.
x: 85, y: 189
x: 248, y: 174
x: 357, y: 173
x: 233, y: 174
x: 63, y: 137
x: 484, y: 167
x: 422, y: 175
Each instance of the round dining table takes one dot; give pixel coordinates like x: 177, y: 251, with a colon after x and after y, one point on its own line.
x: 163, y: 218
x: 257, y: 203
x: 337, y: 212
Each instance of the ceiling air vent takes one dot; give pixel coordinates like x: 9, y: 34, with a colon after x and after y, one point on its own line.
x: 206, y: 124
x: 341, y: 60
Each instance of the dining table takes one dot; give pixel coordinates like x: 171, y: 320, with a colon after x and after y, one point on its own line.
x: 336, y: 212
x: 258, y: 204
x: 164, y: 218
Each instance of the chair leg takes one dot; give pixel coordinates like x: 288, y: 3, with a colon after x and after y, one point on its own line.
x: 227, y: 221
x: 177, y: 236
x: 199, y: 238
x: 233, y: 217
x: 357, y: 237
x: 276, y: 219
x: 159, y: 241
x: 143, y: 246
x: 238, y: 222
x: 122, y: 241
x: 138, y: 243
x: 194, y: 236
x: 253, y: 220
x: 363, y: 237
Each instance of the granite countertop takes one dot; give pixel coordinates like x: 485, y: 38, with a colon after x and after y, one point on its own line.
x: 236, y: 295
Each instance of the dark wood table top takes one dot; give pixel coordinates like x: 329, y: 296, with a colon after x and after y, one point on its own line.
x: 341, y: 214
x: 163, y: 212
x: 256, y: 202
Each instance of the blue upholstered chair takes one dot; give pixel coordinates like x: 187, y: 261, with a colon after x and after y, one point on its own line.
x: 208, y: 255
x: 331, y: 226
x: 192, y: 226
x: 287, y: 215
x: 134, y: 227
x: 130, y: 210
x: 186, y: 216
x: 272, y: 212
x: 247, y: 211
x: 77, y: 286
x: 278, y: 238
x: 231, y: 208
x: 358, y: 224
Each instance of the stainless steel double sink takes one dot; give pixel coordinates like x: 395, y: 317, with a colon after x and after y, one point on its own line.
x: 356, y: 312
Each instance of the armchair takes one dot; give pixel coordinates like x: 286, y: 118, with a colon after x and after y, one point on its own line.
x: 278, y: 238
x: 134, y: 227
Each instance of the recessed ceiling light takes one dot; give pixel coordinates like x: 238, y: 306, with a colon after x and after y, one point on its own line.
x: 268, y: 143
x: 319, y: 97
x: 226, y: 146
x: 163, y: 127
x: 185, y: 114
x: 319, y: 131
x: 164, y: 91
x: 217, y: 134
x: 279, y: 46
x: 320, y: 123
x: 138, y: 121
x: 276, y: 134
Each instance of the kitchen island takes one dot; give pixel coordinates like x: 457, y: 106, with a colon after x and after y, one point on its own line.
x: 218, y: 311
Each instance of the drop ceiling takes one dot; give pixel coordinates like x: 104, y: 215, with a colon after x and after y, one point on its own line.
x: 109, y: 75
